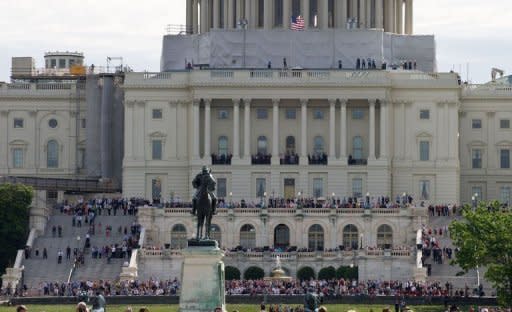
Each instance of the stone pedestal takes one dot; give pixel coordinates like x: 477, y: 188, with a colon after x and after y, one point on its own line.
x: 202, y: 277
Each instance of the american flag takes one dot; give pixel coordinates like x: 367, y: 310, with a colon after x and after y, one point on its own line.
x: 297, y: 23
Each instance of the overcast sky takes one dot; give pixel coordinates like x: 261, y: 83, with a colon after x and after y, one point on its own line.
x: 467, y: 31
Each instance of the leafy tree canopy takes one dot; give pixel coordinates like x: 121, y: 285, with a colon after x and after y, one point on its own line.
x: 305, y: 273
x: 15, y: 200
x: 484, y: 237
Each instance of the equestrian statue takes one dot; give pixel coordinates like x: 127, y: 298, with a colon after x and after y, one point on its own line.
x: 204, y: 202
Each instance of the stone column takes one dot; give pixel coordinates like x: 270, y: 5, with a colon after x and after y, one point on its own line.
x: 189, y: 16
x: 128, y: 126
x: 247, y: 12
x: 287, y: 12
x: 231, y: 12
x: 340, y: 14
x: 323, y: 14
x: 383, y: 129
x: 368, y: 13
x: 399, y: 16
x: 267, y: 15
x: 305, y: 12
x: 216, y: 14
x: 236, y: 128
x: 253, y: 20
x: 409, y: 17
x: 389, y: 21
x: 207, y: 128
x: 173, y: 134
x: 195, y: 113
x: 343, y: 129
x: 247, y: 129
x: 239, y: 11
x: 371, y: 153
x: 204, y: 16
x: 304, y: 130
x: 225, y: 10
x: 362, y: 14
x: 332, y: 129
x: 353, y: 9
x: 379, y: 14
x: 195, y: 12
x: 275, y: 131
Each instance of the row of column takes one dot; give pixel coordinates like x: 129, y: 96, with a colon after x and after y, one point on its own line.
x: 384, y: 117
x: 391, y: 15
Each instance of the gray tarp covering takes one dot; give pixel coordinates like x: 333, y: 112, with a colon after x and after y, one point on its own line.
x: 307, y: 49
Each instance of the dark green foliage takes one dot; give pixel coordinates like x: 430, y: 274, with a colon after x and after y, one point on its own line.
x: 15, y: 200
x: 305, y: 273
x: 347, y: 272
x: 254, y: 273
x: 327, y: 273
x: 232, y: 273
x: 484, y: 237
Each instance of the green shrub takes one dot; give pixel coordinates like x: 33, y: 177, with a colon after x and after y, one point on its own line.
x: 232, y: 273
x: 327, y: 273
x: 305, y: 273
x: 254, y: 273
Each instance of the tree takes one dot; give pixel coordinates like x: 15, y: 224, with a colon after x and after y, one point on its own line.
x: 232, y: 273
x: 327, y: 273
x: 254, y: 273
x: 484, y: 238
x: 15, y: 200
x: 305, y: 273
x: 347, y: 272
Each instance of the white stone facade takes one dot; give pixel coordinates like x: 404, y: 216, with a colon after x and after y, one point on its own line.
x: 397, y: 129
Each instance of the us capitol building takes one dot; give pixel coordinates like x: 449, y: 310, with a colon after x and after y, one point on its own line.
x: 349, y: 104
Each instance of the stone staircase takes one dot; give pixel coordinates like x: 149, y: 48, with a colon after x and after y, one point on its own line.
x: 446, y: 272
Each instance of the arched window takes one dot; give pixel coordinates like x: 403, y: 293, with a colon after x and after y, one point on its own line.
x: 223, y: 145
x: 357, y: 148
x: 178, y: 237
x: 384, y: 236
x: 248, y: 236
x: 262, y: 145
x: 216, y: 234
x: 319, y: 145
x: 350, y: 236
x: 281, y: 236
x: 316, y: 237
x: 290, y: 145
x: 52, y: 154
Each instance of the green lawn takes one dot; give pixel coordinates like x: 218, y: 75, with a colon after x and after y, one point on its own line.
x: 240, y: 308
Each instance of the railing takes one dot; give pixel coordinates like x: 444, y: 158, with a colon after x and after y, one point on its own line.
x: 287, y: 211
x: 358, y: 162
x: 261, y: 159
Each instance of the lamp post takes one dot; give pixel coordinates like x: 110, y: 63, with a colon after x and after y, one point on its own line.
x: 242, y: 24
x: 230, y: 199
x: 264, y: 204
x: 368, y: 200
x: 334, y: 200
x: 361, y: 238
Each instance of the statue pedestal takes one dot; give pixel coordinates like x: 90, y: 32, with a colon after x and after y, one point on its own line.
x: 202, y: 277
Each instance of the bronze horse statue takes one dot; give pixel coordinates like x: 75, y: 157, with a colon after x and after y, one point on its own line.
x: 204, y: 210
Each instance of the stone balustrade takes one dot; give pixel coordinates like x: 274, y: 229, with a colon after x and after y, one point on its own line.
x: 38, y: 89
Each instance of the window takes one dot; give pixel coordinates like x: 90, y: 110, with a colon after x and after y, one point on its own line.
x: 83, y: 122
x: 290, y: 145
x: 357, y: 148
x: 223, y: 145
x: 424, y: 190
x: 262, y: 113
x: 18, y: 123
x: 291, y: 113
x: 157, y: 114
x: 319, y: 145
x: 247, y: 236
x: 316, y: 237
x: 156, y: 149
x: 179, y: 237
x: 223, y: 114
x: 505, y: 159
x: 384, y: 237
x: 62, y: 63
x: 261, y: 185
x: 52, y: 123
x: 318, y: 187
x: 53, y: 63
x: 81, y: 158
x: 357, y: 113
x: 357, y: 187
x: 424, y: 150
x: 52, y: 154
x: 262, y: 145
x: 424, y: 114
x: 476, y: 156
x: 156, y: 189
x: 221, y: 188
x: 476, y: 124
x: 505, y: 195
x: 318, y: 114
x: 17, y: 158
x: 477, y: 192
x: 505, y: 124
x: 350, y: 236
x: 281, y: 236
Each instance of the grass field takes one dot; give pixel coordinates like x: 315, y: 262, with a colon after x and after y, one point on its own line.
x: 230, y: 308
